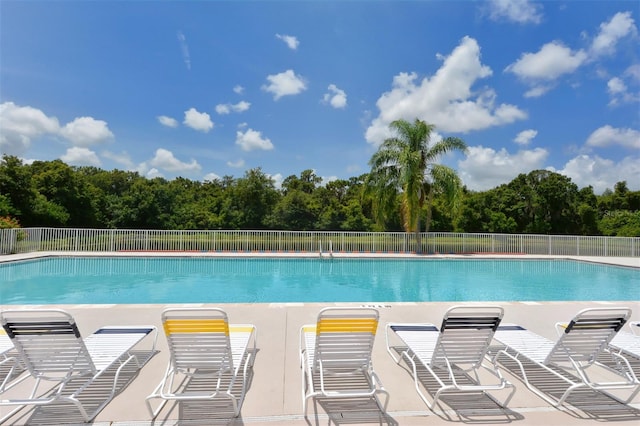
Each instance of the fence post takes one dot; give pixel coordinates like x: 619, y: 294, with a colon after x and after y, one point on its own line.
x: 521, y: 245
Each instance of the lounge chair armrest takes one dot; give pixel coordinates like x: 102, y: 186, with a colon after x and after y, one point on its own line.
x: 560, y: 328
x: 625, y: 366
x: 387, y: 328
x: 301, y: 345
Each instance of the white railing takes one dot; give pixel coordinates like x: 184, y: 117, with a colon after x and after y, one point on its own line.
x: 122, y: 240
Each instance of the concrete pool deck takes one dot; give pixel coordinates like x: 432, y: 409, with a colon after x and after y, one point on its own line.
x: 619, y: 261
x: 274, y: 396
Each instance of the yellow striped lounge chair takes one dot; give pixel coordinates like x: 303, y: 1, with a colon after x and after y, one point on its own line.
x: 453, y: 355
x: 204, y: 347
x: 567, y: 364
x: 53, y: 351
x: 335, y: 356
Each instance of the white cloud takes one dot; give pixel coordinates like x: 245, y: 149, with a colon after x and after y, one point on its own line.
x: 122, y: 158
x: 21, y: 124
x: 210, y: 177
x: 81, y: 157
x: 241, y: 106
x: 602, y: 173
x: 633, y: 72
x: 550, y: 62
x: 251, y: 140
x: 486, y: 168
x: 200, y: 121
x: 284, y: 84
x: 185, y: 50
x: 542, y: 69
x: 327, y: 179
x: 619, y: 92
x: 336, y: 97
x: 446, y: 99
x: 153, y: 173
x: 238, y: 89
x: 236, y: 164
x: 26, y: 120
x: 525, y: 137
x: 167, y: 121
x: 223, y: 109
x: 291, y: 41
x: 227, y: 108
x: 277, y: 179
x: 607, y: 135
x: 616, y: 86
x: 519, y: 11
x: 538, y: 90
x: 86, y: 131
x: 620, y: 26
x: 165, y: 160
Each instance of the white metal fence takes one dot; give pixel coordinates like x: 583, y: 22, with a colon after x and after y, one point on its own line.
x: 122, y: 240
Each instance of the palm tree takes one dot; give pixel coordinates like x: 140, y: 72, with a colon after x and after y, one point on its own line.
x: 405, y: 166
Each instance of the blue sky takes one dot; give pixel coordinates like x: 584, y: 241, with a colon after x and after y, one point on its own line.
x: 205, y: 89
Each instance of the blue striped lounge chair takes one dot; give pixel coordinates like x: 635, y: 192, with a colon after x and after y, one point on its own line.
x: 55, y: 354
x: 570, y: 362
x: 453, y: 355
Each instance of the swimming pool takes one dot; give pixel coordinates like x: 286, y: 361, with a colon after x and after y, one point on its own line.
x: 109, y: 280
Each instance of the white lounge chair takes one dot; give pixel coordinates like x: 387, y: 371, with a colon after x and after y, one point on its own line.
x: 335, y: 356
x: 10, y: 365
x: 453, y: 355
x: 54, y: 352
x: 627, y: 345
x: 203, y: 346
x: 567, y: 361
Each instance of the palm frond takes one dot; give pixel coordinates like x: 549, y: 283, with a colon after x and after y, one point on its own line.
x: 448, y: 183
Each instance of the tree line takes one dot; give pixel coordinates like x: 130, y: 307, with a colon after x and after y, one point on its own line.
x: 54, y: 194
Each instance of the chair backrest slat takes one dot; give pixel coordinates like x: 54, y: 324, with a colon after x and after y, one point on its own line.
x: 49, y: 342
x: 345, y: 337
x: 588, y: 334
x: 466, y: 333
x: 198, y: 339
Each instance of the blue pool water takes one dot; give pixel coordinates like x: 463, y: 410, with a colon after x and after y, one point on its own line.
x: 247, y: 280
